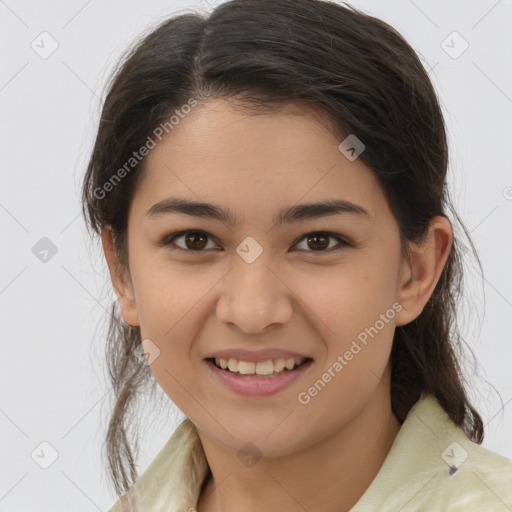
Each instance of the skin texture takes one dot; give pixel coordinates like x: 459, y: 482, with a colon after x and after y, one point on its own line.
x: 291, y: 297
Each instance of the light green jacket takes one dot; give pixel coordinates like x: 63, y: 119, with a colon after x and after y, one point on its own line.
x: 432, y: 467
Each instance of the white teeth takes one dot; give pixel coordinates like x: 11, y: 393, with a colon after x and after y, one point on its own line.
x: 264, y: 368
x: 261, y: 368
x: 290, y: 363
x: 246, y: 367
x: 279, y: 365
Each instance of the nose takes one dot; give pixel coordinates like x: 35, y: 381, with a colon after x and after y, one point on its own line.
x: 254, y: 296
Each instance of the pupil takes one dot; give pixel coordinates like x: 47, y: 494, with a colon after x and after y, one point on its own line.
x: 316, y: 245
x: 193, y: 236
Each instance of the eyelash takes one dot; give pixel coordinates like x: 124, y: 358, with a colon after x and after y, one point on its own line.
x: 343, y: 242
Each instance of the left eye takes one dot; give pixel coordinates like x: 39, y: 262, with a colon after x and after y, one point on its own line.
x: 196, y: 241
x: 319, y: 239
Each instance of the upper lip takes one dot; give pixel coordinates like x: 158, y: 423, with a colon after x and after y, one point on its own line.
x: 256, y: 356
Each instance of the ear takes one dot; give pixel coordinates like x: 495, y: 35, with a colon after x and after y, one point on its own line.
x: 121, y: 282
x: 420, y: 275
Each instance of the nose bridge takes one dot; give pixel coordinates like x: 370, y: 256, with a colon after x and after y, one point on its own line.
x: 253, y: 295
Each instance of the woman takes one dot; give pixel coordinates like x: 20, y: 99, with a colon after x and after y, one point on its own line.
x: 269, y: 183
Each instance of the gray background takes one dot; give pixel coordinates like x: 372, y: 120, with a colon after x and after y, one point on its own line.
x: 54, y: 388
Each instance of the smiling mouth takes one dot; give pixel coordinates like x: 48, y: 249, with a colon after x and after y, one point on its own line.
x: 269, y: 372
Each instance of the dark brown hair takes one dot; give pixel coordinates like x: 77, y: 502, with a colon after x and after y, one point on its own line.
x: 261, y: 54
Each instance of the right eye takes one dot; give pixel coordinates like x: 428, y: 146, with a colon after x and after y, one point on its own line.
x: 195, y: 239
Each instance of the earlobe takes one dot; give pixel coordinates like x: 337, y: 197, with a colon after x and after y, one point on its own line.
x: 421, y: 274
x: 121, y: 283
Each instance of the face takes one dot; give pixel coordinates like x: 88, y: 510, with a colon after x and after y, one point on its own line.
x: 325, y: 287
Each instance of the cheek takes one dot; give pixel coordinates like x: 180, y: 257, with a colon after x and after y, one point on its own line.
x: 170, y: 303
x: 167, y: 293
x: 171, y: 327
x: 348, y: 298
x: 358, y: 338
x: 353, y: 312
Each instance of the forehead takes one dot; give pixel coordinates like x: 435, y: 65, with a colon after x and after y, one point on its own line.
x: 221, y: 154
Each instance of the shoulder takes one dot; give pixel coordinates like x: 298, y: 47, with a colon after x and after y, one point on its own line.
x: 173, y: 480
x: 474, y: 479
x: 433, y: 466
x: 483, y: 480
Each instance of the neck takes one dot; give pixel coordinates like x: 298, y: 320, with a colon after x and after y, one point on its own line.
x: 329, y: 476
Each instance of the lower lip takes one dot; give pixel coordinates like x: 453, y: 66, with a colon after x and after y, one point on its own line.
x: 258, y: 386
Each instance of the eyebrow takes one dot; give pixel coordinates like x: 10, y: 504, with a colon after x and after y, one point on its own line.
x: 291, y: 214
